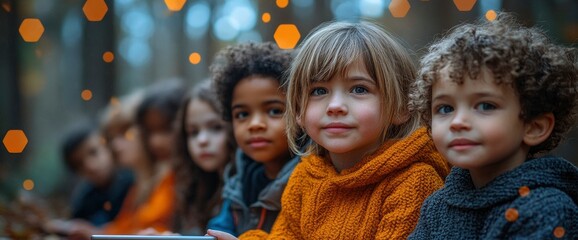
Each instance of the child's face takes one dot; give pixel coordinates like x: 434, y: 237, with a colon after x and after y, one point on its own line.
x: 93, y: 160
x: 125, y: 144
x: 160, y: 134
x: 476, y: 125
x: 257, y: 107
x: 206, y: 136
x: 343, y: 114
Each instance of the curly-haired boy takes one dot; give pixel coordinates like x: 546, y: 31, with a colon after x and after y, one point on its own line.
x: 247, y: 78
x: 496, y: 96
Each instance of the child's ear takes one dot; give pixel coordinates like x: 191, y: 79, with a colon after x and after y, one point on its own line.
x: 539, y: 129
x: 298, y: 119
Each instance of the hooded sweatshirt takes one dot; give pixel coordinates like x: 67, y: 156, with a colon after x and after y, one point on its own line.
x: 237, y: 216
x: 377, y: 198
x: 536, y: 200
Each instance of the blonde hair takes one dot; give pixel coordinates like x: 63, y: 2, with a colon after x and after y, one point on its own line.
x: 329, y: 50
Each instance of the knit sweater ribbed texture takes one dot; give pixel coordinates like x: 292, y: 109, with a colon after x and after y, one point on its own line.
x: 536, y: 200
x: 378, y: 198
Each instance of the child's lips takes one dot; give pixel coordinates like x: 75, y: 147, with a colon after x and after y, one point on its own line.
x: 258, y: 142
x: 337, y: 128
x: 462, y: 144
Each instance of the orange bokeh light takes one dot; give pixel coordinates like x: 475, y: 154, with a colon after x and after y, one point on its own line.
x: 282, y: 3
x: 399, y: 8
x: 108, y: 56
x: 491, y: 15
x: 266, y: 17
x: 465, y: 5
x: 95, y: 10
x: 195, y: 58
x: 114, y: 101
x: 286, y: 36
x: 559, y: 232
x: 15, y: 141
x: 107, y: 206
x: 175, y: 5
x: 511, y: 215
x: 31, y: 29
x: 28, y: 184
x: 524, y: 191
x: 86, y: 95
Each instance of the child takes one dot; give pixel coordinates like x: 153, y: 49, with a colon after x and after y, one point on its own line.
x: 98, y: 197
x: 150, y: 202
x: 497, y: 94
x: 207, y: 145
x: 247, y: 78
x: 367, y: 170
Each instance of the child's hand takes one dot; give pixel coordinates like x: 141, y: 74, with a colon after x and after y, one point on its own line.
x: 220, y: 235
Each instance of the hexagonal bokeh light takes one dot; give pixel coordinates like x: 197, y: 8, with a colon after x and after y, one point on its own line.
x: 15, y: 141
x: 175, y: 5
x: 31, y: 29
x: 286, y: 36
x: 464, y: 5
x: 95, y: 10
x: 399, y: 8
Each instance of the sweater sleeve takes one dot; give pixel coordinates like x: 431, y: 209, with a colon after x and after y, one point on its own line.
x: 552, y: 216
x: 287, y: 224
x: 402, y: 207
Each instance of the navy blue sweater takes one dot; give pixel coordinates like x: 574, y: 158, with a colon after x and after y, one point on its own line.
x: 537, y: 200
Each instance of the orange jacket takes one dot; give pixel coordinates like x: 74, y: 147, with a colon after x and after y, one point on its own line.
x: 156, y: 212
x: 378, y: 198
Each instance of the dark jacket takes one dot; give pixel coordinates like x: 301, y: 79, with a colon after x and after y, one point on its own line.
x: 99, y: 206
x: 236, y: 217
x: 537, y: 200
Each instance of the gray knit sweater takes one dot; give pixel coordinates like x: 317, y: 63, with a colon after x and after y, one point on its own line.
x: 537, y: 200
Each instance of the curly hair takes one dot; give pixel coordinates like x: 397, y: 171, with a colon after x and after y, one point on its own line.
x: 543, y: 74
x: 237, y: 62
x: 198, y: 191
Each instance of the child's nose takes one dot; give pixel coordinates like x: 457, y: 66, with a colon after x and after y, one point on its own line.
x: 257, y: 122
x: 203, y: 137
x: 337, y: 105
x: 460, y: 121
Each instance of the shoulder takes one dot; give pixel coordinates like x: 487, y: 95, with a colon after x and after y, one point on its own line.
x: 542, y: 211
x: 546, y: 201
x: 420, y: 176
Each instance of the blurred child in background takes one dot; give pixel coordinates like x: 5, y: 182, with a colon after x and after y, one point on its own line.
x: 207, y: 145
x: 99, y: 195
x: 152, y: 200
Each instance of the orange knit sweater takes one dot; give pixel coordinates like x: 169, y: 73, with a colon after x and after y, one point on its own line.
x: 378, y: 198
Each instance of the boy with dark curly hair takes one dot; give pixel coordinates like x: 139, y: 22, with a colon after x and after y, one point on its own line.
x: 247, y: 78
x: 496, y: 96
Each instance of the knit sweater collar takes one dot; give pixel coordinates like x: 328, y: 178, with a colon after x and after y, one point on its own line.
x: 391, y: 158
x: 548, y: 172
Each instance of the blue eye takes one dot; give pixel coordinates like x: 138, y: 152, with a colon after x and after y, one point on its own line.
x: 359, y: 90
x: 318, y: 91
x: 444, y: 109
x: 276, y: 112
x: 485, y: 107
